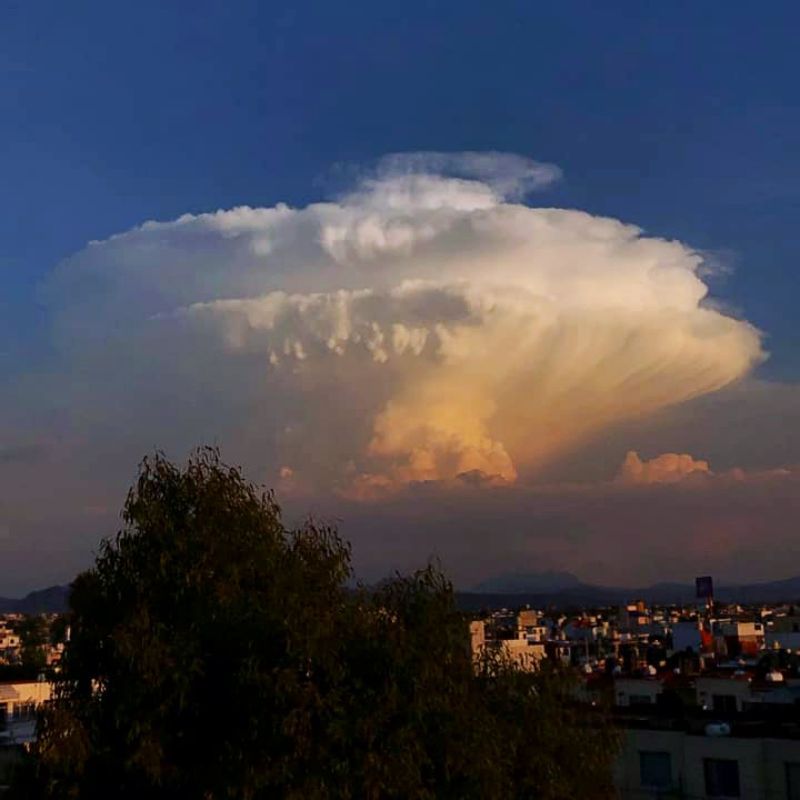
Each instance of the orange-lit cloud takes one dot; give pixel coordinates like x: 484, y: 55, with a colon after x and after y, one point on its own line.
x: 676, y: 467
x: 737, y: 525
x: 666, y: 468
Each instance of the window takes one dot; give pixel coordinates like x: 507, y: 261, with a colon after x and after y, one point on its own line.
x: 793, y: 781
x: 3, y: 713
x: 722, y: 777
x: 725, y: 703
x: 655, y: 770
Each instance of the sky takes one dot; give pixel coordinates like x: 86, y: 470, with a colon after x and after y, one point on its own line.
x: 510, y: 287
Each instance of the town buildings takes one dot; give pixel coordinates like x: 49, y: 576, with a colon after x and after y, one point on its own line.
x: 27, y: 654
x: 708, y: 699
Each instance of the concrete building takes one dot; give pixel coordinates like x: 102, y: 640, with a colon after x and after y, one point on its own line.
x: 636, y: 691
x: 526, y: 652
x: 527, y: 618
x: 686, y: 635
x: 18, y: 705
x: 735, y: 638
x: 783, y: 631
x: 786, y: 623
x: 723, y: 694
x: 633, y: 618
x: 667, y: 763
x: 9, y: 645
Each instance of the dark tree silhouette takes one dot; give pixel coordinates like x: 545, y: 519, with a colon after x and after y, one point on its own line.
x: 214, y: 654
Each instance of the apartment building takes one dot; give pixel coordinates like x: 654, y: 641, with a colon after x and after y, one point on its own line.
x: 715, y: 762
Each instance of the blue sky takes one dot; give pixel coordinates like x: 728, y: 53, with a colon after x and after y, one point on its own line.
x: 681, y: 117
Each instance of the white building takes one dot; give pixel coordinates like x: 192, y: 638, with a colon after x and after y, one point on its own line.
x: 19, y: 702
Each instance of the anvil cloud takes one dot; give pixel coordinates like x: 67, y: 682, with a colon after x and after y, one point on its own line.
x: 428, y: 357
x: 424, y: 325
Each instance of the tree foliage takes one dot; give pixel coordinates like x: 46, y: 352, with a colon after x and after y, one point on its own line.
x: 215, y: 654
x: 33, y: 633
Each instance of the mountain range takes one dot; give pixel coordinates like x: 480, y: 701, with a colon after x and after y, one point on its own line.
x: 52, y: 600
x: 564, y: 589
x: 539, y: 589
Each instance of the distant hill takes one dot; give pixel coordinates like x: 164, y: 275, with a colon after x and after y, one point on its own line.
x: 512, y: 590
x: 536, y: 593
x: 44, y: 601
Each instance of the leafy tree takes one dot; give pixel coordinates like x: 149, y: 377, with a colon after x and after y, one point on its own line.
x: 214, y: 654
x: 33, y: 634
x: 58, y: 629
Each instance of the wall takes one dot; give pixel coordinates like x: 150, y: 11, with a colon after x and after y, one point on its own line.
x: 708, y: 687
x: 762, y: 763
x: 625, y: 688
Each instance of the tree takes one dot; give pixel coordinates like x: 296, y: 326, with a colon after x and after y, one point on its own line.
x: 58, y: 630
x: 33, y: 634
x: 214, y: 654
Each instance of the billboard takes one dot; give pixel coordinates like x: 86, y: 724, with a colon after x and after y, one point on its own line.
x: 704, y: 587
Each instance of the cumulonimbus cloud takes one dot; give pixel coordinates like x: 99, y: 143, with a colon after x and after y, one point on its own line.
x: 423, y: 326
